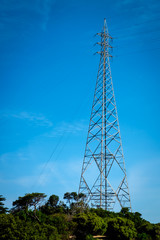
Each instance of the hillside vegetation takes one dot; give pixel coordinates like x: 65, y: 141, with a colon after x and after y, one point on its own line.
x: 32, y: 217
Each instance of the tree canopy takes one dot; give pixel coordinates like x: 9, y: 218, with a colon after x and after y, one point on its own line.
x: 34, y: 217
x: 29, y: 200
x: 2, y: 208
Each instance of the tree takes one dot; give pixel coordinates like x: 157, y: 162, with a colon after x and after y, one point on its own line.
x: 69, y: 197
x: 2, y: 208
x: 60, y: 221
x: 53, y: 201
x: 51, y: 205
x: 80, y: 204
x: 102, y: 213
x: 121, y: 228
x: 22, y: 203
x: 30, y: 200
x: 76, y: 202
x: 11, y: 228
x: 89, y: 224
x: 134, y: 217
x: 149, y: 231
x: 35, y: 199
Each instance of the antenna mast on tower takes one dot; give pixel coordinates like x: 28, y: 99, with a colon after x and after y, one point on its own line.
x: 103, y: 177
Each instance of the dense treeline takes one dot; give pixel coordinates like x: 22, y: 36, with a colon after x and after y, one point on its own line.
x: 33, y: 217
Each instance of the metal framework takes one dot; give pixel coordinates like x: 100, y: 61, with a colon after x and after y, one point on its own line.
x: 103, y: 177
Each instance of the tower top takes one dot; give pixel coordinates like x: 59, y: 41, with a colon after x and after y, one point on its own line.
x: 105, y: 28
x: 105, y: 42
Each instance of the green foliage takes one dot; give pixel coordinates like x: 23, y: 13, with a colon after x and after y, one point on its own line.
x: 59, y: 221
x: 68, y: 196
x: 53, y: 201
x: 2, y: 208
x: 89, y: 223
x: 149, y: 231
x: 76, y: 202
x: 121, y: 228
x: 51, y: 205
x: 29, y: 200
x: 103, y: 213
x: 143, y: 236
x: 13, y: 228
x: 30, y: 220
x: 74, y: 197
x: 135, y: 217
x: 89, y: 237
x: 157, y: 231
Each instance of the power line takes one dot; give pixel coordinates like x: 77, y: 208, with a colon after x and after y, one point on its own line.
x: 135, y: 52
x: 135, y: 25
x: 67, y: 135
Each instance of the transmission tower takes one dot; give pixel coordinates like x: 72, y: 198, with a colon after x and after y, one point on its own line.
x: 103, y: 177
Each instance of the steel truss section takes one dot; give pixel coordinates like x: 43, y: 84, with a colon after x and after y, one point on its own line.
x: 103, y: 177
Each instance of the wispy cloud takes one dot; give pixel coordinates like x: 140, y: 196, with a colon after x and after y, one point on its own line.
x: 16, y: 15
x: 67, y: 128
x: 34, y: 118
x: 28, y: 181
x: 44, y: 8
x: 11, y: 157
x: 144, y: 10
x: 65, y: 174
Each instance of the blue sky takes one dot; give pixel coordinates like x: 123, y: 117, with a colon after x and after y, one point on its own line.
x: 48, y: 71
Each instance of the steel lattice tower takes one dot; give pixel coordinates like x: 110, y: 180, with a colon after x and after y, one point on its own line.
x: 103, y: 177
